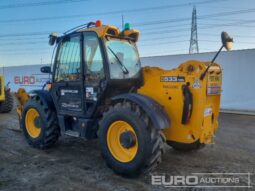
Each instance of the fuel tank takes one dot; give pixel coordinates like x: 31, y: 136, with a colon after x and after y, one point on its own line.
x: 192, y: 104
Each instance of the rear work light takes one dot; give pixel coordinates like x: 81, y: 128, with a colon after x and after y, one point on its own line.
x: 127, y: 26
x: 98, y: 23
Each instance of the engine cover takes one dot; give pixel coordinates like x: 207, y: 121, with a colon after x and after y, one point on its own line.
x: 166, y: 87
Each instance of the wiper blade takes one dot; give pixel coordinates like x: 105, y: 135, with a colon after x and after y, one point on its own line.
x: 123, y: 67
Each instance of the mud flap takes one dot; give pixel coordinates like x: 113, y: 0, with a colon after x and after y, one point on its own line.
x: 155, y: 111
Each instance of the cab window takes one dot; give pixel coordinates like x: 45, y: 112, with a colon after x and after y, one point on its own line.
x: 123, y: 58
x: 69, y: 60
x: 93, y: 56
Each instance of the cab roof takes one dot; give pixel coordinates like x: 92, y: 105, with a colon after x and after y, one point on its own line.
x: 105, y: 31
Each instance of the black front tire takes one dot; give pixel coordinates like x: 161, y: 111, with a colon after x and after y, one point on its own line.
x: 50, y: 130
x: 7, y: 105
x: 151, y: 142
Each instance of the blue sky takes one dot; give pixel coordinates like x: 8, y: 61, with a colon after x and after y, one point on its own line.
x: 164, y: 25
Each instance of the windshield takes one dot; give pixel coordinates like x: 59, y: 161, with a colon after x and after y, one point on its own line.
x: 123, y: 59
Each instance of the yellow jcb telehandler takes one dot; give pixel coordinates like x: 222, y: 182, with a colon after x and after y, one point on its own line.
x: 99, y: 90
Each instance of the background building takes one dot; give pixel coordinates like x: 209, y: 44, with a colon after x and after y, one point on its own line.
x: 238, y: 71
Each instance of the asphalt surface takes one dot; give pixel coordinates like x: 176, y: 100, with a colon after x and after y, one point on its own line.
x: 76, y: 164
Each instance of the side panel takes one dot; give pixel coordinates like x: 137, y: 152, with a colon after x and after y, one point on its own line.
x: 156, y: 112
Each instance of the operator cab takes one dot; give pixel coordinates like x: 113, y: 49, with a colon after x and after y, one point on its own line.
x: 93, y: 64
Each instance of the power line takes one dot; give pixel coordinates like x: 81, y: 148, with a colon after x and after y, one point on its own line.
x: 167, y: 26
x: 149, y: 23
x: 221, y: 14
x: 160, y: 38
x: 28, y: 52
x: 25, y: 34
x: 27, y: 49
x: 237, y: 42
x: 227, y: 19
x: 206, y: 26
x: 142, y: 40
x: 141, y: 43
x: 150, y: 32
x: 157, y: 32
x: 23, y: 39
x: 240, y: 36
x: 112, y: 12
x: 228, y: 25
x: 22, y: 43
x: 164, y: 53
x: 232, y: 23
x: 172, y: 42
x: 42, y: 3
x: 27, y: 38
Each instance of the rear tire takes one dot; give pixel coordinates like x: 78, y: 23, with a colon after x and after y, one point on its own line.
x: 39, y: 124
x: 149, y: 141
x: 7, y: 105
x: 183, y: 147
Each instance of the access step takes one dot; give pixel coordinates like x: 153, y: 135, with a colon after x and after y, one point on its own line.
x: 72, y: 133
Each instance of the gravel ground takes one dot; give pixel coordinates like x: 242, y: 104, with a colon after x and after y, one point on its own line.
x: 76, y: 164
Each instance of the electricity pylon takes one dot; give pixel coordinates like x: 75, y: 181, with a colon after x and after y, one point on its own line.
x: 193, y: 47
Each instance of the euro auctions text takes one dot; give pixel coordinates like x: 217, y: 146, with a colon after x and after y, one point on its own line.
x: 218, y: 180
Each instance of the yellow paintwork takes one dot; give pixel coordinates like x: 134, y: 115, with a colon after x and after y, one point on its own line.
x: 102, y: 31
x: 2, y: 95
x: 49, y: 86
x: 119, y: 152
x: 22, y: 97
x: 132, y: 32
x: 31, y: 128
x: 202, y: 125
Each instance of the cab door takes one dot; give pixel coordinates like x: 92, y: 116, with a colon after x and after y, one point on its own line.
x: 94, y: 71
x: 67, y: 90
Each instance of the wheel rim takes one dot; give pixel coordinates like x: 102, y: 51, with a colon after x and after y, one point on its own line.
x: 116, y: 147
x: 32, y: 128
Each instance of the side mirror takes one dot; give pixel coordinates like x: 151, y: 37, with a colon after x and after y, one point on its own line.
x: 227, y: 41
x: 52, y: 38
x: 46, y: 69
